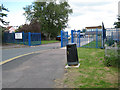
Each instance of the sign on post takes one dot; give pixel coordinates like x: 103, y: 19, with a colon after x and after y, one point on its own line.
x: 18, y: 35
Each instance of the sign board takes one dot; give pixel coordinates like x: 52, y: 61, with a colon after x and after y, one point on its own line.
x: 18, y: 35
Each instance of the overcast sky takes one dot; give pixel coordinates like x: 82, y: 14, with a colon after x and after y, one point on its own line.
x: 85, y: 12
x: 93, y: 13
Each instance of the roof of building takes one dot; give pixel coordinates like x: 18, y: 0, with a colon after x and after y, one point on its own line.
x: 94, y: 27
x: 9, y: 27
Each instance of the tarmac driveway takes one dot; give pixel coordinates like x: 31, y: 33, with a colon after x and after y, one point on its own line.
x: 13, y: 51
x: 38, y: 70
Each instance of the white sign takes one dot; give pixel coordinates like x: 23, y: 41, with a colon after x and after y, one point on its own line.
x: 18, y: 35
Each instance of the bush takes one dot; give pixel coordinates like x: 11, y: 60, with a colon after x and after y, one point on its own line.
x: 111, y: 61
x: 110, y: 42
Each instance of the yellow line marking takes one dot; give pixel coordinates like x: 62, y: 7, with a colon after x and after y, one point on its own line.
x: 8, y: 60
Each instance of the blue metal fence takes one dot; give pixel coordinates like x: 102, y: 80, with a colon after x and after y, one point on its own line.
x: 93, y: 38
x: 35, y: 38
x: 75, y: 37
x: 112, y: 35
x: 64, y: 38
x: 89, y: 39
x: 27, y: 38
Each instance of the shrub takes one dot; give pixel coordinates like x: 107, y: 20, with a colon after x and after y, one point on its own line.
x: 111, y: 61
x: 110, y: 42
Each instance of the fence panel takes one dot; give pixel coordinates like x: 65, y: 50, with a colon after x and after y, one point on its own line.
x: 75, y: 37
x: 89, y: 39
x: 64, y: 38
x: 112, y: 35
x: 35, y: 38
x: 93, y: 38
x: 9, y: 38
x: 27, y: 38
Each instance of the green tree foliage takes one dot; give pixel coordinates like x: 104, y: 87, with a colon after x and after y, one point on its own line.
x: 3, y: 14
x: 2, y: 29
x: 83, y: 30
x: 51, y: 16
x: 117, y: 24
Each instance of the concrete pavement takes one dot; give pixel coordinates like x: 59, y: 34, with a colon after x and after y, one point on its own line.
x: 38, y: 70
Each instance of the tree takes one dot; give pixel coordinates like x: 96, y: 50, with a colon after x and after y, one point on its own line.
x: 51, y: 16
x: 117, y: 24
x: 33, y: 27
x: 83, y: 30
x: 3, y: 15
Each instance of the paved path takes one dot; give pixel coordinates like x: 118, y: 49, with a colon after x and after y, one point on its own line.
x: 83, y: 41
x: 38, y: 70
x: 13, y: 52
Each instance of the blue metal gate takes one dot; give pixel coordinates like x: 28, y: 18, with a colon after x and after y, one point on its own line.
x: 75, y: 37
x: 27, y: 38
x: 90, y: 39
x: 64, y: 38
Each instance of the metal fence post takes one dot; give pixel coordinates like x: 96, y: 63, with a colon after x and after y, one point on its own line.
x: 23, y: 36
x: 13, y: 37
x: 40, y: 38
x: 79, y: 38
x: 96, y: 37
x: 102, y: 38
x: 67, y: 37
x: 112, y: 36
x: 71, y: 36
x: 118, y: 31
x: 61, y: 38
x: 29, y: 38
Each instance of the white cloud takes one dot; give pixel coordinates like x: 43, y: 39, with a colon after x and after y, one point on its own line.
x: 85, y: 13
x: 17, y: 0
x: 92, y: 13
x: 16, y: 18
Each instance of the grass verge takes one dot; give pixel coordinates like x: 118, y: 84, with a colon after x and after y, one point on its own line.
x: 93, y: 44
x: 33, y: 42
x: 51, y: 41
x: 92, y: 72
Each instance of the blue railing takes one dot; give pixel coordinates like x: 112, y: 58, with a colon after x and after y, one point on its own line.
x: 112, y: 35
x: 75, y: 37
x: 64, y: 38
x: 27, y: 38
x: 89, y: 39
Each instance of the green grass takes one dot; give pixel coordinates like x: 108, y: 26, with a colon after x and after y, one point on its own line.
x: 43, y: 42
x: 92, y: 72
x: 38, y: 42
x: 51, y: 41
x: 93, y: 44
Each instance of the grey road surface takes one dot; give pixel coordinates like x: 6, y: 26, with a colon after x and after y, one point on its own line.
x: 38, y: 70
x: 13, y: 52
